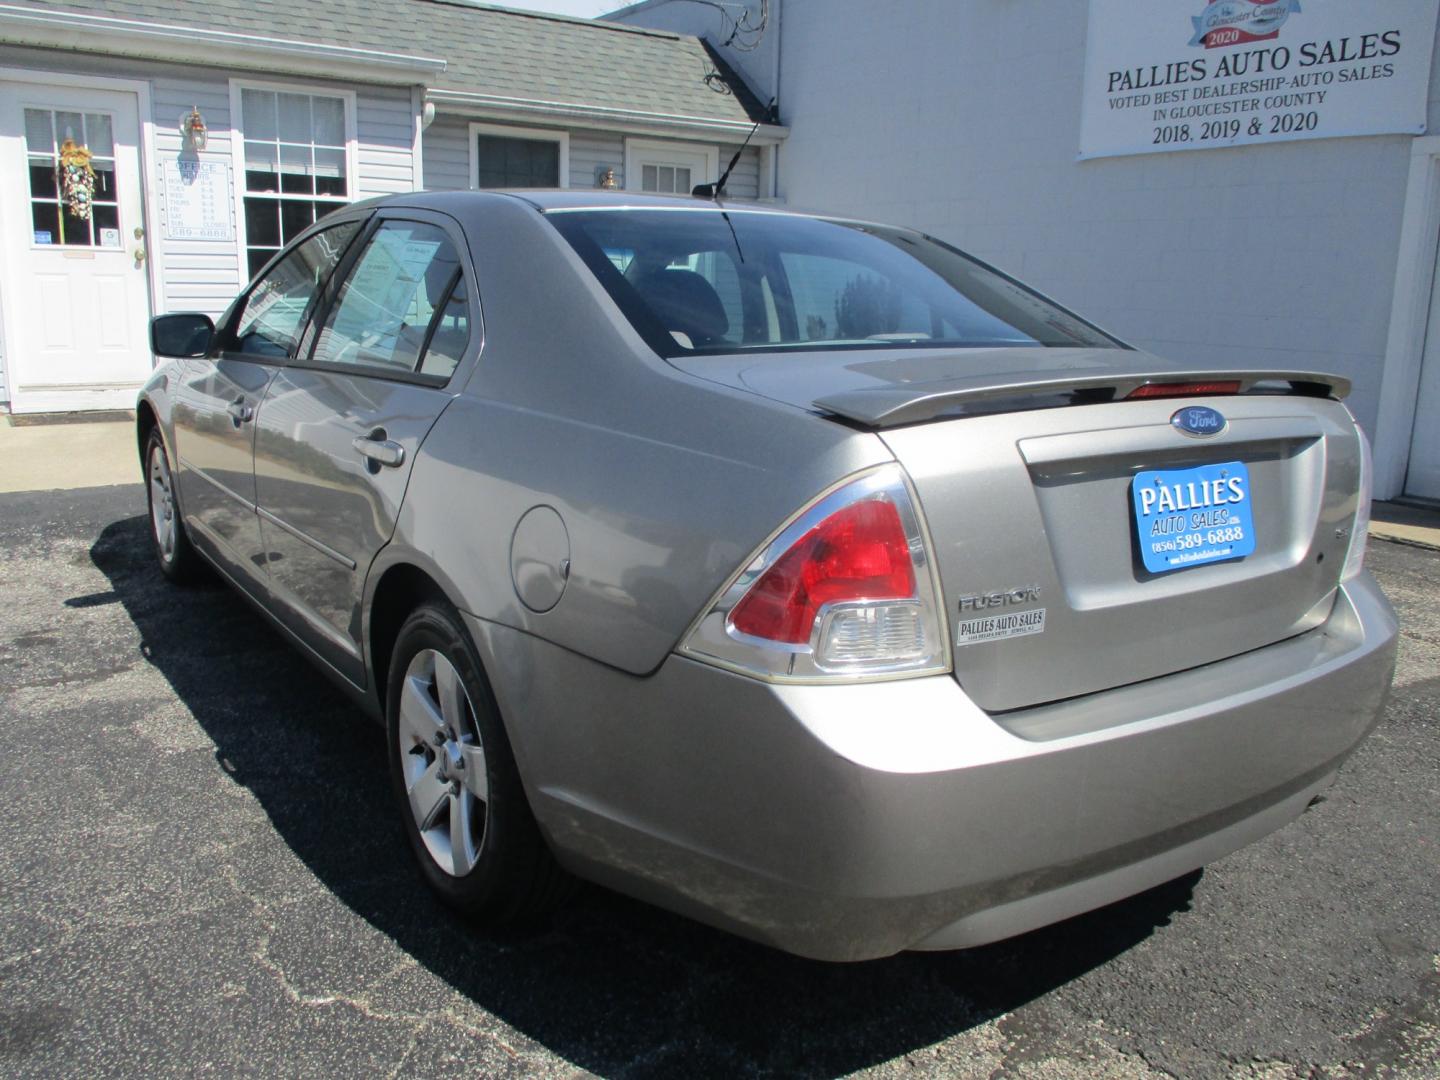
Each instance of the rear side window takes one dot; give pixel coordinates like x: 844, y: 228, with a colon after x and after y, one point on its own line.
x: 403, y: 308
x: 450, y: 335
x: 276, y: 309
x: 713, y: 281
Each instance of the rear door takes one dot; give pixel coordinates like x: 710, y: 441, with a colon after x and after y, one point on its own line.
x: 216, y: 403
x: 340, y: 425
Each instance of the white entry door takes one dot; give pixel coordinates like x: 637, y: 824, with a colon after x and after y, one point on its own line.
x: 669, y: 168
x: 1422, y: 479
x: 75, y: 286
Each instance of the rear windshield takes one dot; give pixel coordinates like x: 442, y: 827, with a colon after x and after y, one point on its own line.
x: 710, y: 281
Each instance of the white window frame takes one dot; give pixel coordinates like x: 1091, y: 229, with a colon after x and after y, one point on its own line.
x: 555, y: 135
x: 237, y: 149
x: 59, y: 199
x: 637, y: 150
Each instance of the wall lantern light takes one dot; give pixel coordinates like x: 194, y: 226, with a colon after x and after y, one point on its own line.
x: 605, y: 178
x: 193, y: 129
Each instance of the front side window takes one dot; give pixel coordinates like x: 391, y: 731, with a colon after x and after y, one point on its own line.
x: 295, y: 166
x: 403, y: 308
x: 71, y: 159
x: 707, y: 280
x: 274, y: 314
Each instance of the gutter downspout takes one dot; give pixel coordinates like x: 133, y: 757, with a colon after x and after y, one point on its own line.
x: 776, y: 69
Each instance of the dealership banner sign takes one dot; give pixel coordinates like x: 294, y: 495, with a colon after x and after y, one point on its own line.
x: 1190, y: 74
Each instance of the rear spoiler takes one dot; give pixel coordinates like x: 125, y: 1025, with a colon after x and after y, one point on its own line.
x: 892, y: 406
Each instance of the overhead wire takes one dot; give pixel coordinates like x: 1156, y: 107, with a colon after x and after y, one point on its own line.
x: 744, y: 33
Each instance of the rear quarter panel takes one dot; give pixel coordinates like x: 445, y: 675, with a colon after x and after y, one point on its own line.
x: 664, y: 482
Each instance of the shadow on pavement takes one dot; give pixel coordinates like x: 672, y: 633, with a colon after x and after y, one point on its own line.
x: 613, y: 984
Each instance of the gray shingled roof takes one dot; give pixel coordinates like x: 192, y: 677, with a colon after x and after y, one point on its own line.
x: 488, y: 50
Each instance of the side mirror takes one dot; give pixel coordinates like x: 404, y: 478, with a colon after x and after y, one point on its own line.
x: 179, y: 336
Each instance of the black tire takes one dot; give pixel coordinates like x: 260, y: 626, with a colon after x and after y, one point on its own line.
x: 173, y: 551
x: 511, y: 878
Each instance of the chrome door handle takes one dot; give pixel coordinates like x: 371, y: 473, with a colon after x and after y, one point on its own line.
x: 382, y: 451
x: 240, y: 412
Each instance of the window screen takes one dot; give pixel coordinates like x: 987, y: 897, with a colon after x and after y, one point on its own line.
x: 665, y: 179
x: 295, y: 170
x: 507, y: 161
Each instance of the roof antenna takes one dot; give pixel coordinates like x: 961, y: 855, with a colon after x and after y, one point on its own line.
x: 717, y: 189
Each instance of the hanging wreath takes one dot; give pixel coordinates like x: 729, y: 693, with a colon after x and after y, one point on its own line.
x: 77, y: 179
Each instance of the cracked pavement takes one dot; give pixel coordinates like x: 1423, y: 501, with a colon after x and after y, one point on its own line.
x: 201, y: 873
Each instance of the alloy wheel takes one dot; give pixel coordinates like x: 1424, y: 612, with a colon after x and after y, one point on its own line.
x: 162, y: 503
x: 443, y: 762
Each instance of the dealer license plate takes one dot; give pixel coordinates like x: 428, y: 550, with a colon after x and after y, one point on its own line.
x: 1185, y: 517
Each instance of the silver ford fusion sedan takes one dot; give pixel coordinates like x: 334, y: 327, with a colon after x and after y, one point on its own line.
x: 802, y: 575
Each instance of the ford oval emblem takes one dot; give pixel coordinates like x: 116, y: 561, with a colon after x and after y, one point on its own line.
x: 1198, y: 421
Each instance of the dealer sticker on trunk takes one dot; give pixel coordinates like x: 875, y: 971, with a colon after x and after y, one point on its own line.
x: 998, y: 627
x: 1188, y: 516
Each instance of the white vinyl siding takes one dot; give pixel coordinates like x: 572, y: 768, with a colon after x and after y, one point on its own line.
x: 445, y: 151
x: 384, y: 141
x: 198, y: 275
x: 744, y: 182
x: 593, y: 151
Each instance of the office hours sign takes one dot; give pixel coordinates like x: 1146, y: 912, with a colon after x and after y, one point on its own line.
x: 1191, y: 74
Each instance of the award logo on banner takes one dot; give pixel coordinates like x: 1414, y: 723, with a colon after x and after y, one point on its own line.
x: 1238, y: 22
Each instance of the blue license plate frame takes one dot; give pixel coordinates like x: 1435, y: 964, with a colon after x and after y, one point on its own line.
x: 1191, y: 517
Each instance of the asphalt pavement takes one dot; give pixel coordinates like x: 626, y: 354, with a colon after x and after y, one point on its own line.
x: 201, y: 874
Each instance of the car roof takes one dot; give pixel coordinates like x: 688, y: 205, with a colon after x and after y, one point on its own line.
x: 555, y: 199
x: 548, y: 200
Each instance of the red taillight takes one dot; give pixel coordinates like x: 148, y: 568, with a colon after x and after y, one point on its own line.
x: 857, y: 553
x: 1185, y: 389
x: 844, y: 592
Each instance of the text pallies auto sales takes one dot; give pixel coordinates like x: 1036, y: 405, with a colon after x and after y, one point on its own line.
x: 1258, y: 61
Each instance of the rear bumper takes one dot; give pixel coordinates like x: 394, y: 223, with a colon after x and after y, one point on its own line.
x: 854, y: 822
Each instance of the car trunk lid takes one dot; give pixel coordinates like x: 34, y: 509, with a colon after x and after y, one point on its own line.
x: 1030, y: 507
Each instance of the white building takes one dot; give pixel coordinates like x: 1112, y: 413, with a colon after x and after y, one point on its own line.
x: 964, y: 120
x: 304, y: 107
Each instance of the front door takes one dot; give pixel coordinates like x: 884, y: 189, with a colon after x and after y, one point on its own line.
x: 75, y: 283
x: 219, y: 396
